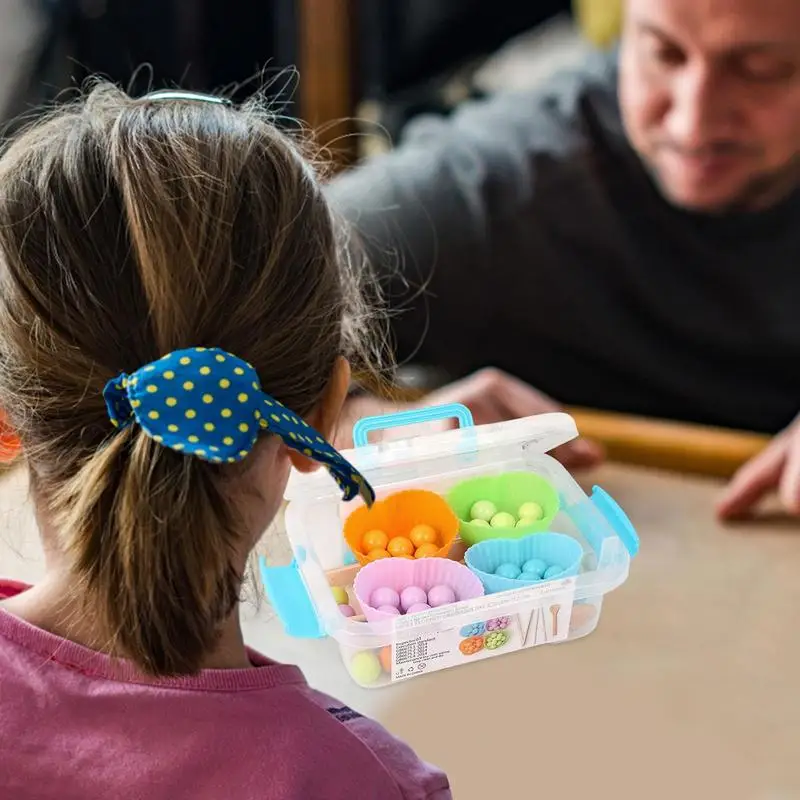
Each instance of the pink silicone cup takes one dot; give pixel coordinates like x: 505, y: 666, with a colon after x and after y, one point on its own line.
x: 398, y: 573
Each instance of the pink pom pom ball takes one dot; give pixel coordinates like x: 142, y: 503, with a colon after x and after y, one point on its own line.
x: 440, y: 595
x: 384, y: 596
x: 411, y: 596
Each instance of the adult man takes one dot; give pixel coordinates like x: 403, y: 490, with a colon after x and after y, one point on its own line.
x: 635, y: 250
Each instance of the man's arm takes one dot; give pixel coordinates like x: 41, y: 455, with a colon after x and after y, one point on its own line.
x: 438, y: 214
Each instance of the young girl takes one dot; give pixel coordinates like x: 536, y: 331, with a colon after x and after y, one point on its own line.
x: 175, y: 327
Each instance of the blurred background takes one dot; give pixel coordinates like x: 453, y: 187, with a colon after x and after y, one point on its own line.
x: 380, y: 62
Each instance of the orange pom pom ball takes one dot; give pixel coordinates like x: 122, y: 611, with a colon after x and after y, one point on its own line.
x: 423, y: 534
x: 426, y: 550
x: 400, y: 546
x: 374, y: 540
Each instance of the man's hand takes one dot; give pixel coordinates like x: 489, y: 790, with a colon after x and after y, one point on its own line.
x: 491, y: 396
x: 776, y: 467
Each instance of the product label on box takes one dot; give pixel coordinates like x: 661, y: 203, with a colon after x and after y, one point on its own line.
x: 463, y: 632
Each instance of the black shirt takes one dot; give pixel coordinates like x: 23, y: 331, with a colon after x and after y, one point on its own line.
x: 524, y: 233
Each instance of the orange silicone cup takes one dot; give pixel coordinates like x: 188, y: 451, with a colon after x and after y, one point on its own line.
x: 10, y: 444
x: 397, y: 514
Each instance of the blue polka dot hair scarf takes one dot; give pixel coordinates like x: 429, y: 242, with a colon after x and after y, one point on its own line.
x: 207, y: 403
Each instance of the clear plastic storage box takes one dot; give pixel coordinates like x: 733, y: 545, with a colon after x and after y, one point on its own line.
x: 546, y: 612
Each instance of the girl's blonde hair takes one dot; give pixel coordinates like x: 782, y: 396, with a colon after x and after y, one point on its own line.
x: 130, y: 228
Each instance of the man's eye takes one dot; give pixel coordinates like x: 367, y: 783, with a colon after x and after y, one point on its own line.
x: 665, y: 54
x: 759, y: 67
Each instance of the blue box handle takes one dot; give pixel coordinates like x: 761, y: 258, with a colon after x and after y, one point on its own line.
x: 366, y: 425
x: 287, y: 592
x: 617, y: 518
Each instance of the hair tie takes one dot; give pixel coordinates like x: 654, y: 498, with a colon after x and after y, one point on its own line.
x: 207, y: 403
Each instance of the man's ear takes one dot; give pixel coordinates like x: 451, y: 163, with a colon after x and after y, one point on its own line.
x: 325, y: 415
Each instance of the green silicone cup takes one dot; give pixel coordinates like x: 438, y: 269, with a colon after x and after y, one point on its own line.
x: 508, y: 492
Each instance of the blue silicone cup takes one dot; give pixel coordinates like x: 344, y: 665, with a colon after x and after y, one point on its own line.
x: 553, y: 548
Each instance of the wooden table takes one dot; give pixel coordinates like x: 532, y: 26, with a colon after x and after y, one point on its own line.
x: 688, y: 689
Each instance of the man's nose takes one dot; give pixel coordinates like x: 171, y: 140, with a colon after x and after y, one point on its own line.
x: 701, y: 109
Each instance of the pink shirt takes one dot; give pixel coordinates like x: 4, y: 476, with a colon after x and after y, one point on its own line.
x: 74, y: 725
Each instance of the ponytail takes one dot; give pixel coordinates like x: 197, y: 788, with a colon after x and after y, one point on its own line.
x: 153, y: 539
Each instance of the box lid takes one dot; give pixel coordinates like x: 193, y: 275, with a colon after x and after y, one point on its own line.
x: 420, y: 456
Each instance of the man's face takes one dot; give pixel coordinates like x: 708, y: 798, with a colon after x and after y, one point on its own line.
x: 710, y: 94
